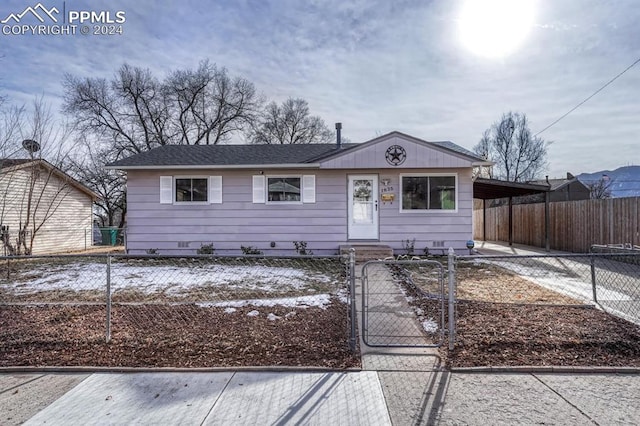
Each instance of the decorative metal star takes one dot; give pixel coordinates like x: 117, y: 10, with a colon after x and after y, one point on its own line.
x: 396, y: 155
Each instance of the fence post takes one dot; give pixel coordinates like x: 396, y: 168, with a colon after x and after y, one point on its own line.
x: 593, y: 277
x: 352, y: 302
x: 452, y: 285
x: 108, y: 295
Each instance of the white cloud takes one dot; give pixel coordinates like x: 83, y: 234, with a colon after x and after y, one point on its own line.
x: 375, y: 66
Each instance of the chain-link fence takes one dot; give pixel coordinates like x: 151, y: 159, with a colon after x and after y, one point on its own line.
x: 175, y: 311
x: 611, y: 280
x: 202, y: 310
x: 403, y: 303
x: 546, y: 309
x: 57, y: 240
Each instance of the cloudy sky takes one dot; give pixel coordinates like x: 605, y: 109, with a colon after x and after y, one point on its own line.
x: 377, y: 66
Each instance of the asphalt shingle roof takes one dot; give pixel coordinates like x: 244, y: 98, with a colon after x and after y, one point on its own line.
x: 457, y: 148
x: 242, y: 155
x: 10, y: 162
x: 226, y: 155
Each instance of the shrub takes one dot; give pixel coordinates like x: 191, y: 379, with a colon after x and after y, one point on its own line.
x: 206, y: 249
x: 250, y: 250
x: 409, y: 246
x: 301, y: 248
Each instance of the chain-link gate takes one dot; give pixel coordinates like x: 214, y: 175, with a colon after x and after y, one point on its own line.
x: 403, y: 303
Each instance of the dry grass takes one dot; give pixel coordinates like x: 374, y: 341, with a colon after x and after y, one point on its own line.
x: 490, y: 283
x: 485, y: 283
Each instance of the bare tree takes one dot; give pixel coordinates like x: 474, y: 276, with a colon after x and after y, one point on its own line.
x: 128, y: 111
x: 290, y: 123
x: 32, y: 189
x: 9, y: 130
x: 89, y: 168
x: 519, y: 155
x: 135, y: 111
x: 601, y: 188
x: 207, y: 105
x: 483, y: 150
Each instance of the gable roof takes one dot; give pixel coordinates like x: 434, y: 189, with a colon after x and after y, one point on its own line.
x: 8, y: 165
x: 239, y: 156
x: 442, y: 146
x: 557, y: 184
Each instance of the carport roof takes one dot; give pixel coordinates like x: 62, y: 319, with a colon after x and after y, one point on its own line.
x: 489, y: 189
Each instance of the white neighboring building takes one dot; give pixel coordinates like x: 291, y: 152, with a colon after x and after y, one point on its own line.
x: 56, y: 208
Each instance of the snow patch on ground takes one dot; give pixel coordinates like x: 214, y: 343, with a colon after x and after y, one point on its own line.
x: 317, y: 300
x: 430, y: 326
x: 253, y: 313
x: 343, y: 295
x: 553, y: 280
x: 169, y: 279
x: 230, y: 310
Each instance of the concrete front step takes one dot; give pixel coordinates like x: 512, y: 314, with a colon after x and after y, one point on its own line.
x: 365, y: 252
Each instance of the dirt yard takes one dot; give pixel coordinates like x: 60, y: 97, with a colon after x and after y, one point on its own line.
x: 176, y: 336
x: 537, y: 326
x: 508, y: 320
x: 490, y: 334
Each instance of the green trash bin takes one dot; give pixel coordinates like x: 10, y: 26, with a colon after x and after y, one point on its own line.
x: 109, y: 236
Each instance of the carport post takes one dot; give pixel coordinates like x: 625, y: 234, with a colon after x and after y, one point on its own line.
x: 510, y: 221
x: 452, y: 285
x: 108, y: 332
x: 484, y: 219
x: 547, y: 197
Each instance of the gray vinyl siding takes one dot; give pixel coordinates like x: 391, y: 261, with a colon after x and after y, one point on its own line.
x: 417, y: 156
x: 323, y: 224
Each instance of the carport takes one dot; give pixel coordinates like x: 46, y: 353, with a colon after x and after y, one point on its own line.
x: 492, y: 189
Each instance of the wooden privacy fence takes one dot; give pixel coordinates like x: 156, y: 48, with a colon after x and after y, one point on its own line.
x: 574, y: 225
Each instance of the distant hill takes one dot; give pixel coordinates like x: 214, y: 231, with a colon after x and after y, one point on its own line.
x: 626, y: 180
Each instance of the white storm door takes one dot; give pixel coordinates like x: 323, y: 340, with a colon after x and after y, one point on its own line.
x: 363, y: 207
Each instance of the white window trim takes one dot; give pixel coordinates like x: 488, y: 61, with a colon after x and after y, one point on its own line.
x: 190, y: 203
x: 422, y: 211
x: 281, y: 203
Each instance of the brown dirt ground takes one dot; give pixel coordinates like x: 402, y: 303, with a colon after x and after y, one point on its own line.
x: 175, y: 336
x: 489, y: 333
x: 492, y: 333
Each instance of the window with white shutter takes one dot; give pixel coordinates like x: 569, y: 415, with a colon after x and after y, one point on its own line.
x: 284, y: 189
x: 190, y: 189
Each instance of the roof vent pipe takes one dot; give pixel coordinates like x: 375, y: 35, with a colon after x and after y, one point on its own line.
x: 338, y: 135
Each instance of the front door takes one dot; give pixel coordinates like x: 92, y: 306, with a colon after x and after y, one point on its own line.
x: 363, y: 207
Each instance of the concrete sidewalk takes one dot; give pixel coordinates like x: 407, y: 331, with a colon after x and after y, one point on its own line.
x: 330, y: 398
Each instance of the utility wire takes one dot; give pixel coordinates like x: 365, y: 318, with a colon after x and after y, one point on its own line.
x: 592, y: 95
